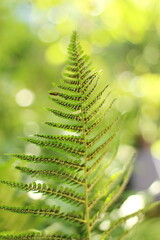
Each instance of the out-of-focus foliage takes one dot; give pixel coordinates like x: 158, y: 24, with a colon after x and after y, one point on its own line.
x: 142, y: 234
x: 123, y: 39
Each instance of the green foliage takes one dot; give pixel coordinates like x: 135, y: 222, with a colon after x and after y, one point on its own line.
x: 36, y: 236
x: 80, y: 159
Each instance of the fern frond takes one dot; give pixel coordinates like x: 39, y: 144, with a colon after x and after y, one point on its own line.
x: 102, y: 133
x: 63, y: 138
x: 75, y: 98
x: 106, y: 189
x: 96, y: 122
x: 67, y: 105
x: 99, y: 170
x: 82, y: 61
x: 93, y: 114
x: 56, y: 145
x: 94, y: 101
x: 66, y: 127
x: 47, y: 160
x: 49, y: 212
x: 70, y: 88
x: 62, y: 193
x: 79, y: 159
x: 92, y: 155
x: 73, y: 75
x: 72, y: 69
x: 35, y: 235
x: 72, y: 82
x: 89, y: 80
x: 70, y: 177
x: 97, y: 163
x: 75, y: 117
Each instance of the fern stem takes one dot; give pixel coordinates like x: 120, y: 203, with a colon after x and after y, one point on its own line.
x: 86, y: 184
x: 86, y: 174
x: 83, y: 117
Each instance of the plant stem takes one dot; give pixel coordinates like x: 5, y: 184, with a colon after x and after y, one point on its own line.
x: 87, y: 217
x: 85, y: 175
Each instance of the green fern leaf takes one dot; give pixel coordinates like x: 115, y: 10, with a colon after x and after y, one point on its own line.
x: 66, y: 96
x: 80, y: 157
x: 34, y: 236
x: 50, y: 160
x: 53, y: 212
x: 66, y: 138
x: 66, y: 127
x: 70, y: 177
x: 56, y: 145
x: 75, y: 117
x: 70, y: 88
x: 69, y: 194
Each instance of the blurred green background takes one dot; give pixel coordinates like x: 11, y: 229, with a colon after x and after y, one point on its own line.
x: 122, y: 37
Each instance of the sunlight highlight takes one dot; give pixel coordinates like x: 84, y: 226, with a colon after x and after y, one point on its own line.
x: 154, y: 189
x: 104, y: 225
x: 131, y: 222
x: 25, y: 98
x: 132, y: 204
x: 34, y: 195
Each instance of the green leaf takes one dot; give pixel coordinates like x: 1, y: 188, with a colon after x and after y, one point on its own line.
x: 93, y: 154
x: 53, y: 212
x: 47, y: 160
x: 66, y: 96
x: 70, y: 88
x: 67, y: 105
x: 102, y: 133
x: 56, y: 145
x: 34, y: 236
x: 67, y: 127
x: 75, y: 117
x: 63, y: 193
x: 63, y: 138
x: 70, y: 177
x: 78, y: 160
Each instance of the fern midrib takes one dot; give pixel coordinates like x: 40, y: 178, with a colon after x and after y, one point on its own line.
x: 85, y: 162
x: 85, y: 176
x: 86, y: 183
